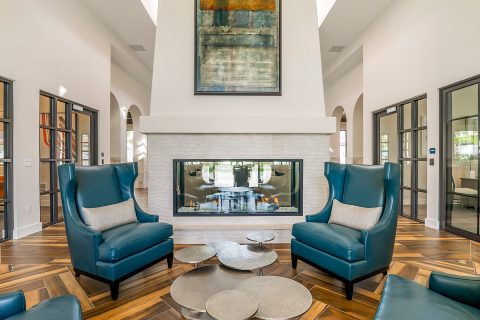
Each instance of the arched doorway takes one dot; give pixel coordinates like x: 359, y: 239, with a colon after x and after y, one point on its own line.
x: 136, y: 144
x: 338, y: 141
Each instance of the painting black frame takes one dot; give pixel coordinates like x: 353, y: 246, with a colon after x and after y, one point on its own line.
x: 235, y: 93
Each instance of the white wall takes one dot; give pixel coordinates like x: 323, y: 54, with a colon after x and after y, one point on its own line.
x: 173, y: 75
x: 345, y: 92
x: 416, y: 47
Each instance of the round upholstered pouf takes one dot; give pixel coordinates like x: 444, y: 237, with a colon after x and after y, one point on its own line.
x: 277, y: 297
x: 231, y: 305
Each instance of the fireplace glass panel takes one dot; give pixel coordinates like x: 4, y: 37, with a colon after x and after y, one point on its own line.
x: 237, y: 187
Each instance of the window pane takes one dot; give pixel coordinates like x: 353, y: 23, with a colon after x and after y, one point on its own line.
x: 422, y: 113
x: 3, y: 181
x: 83, y: 140
x: 407, y: 145
x: 422, y: 144
x: 407, y: 116
x: 45, y: 112
x: 406, y: 203
x: 60, y: 208
x: 422, y: 175
x: 61, y: 145
x: 45, y: 143
x: 407, y: 173
x: 464, y: 102
x: 389, y: 138
x: 3, y: 137
x: 462, y: 156
x: 2, y: 100
x: 421, y: 206
x: 45, y: 177
x: 61, y: 107
x: 45, y: 205
x: 462, y: 212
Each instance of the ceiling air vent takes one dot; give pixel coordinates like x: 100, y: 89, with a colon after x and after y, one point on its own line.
x: 336, y: 49
x: 137, y: 47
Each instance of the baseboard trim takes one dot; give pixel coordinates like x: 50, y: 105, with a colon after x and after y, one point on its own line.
x: 432, y: 223
x: 27, y: 230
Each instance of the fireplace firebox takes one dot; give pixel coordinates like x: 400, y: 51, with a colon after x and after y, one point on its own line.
x: 237, y: 187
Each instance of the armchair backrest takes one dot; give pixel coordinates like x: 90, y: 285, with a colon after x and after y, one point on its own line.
x: 359, y: 185
x: 97, y: 186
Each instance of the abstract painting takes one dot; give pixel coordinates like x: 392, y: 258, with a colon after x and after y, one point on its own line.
x: 237, y: 47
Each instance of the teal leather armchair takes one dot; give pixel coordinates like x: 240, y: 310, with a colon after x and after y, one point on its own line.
x: 116, y: 254
x: 13, y: 307
x: 448, y: 297
x: 351, y: 255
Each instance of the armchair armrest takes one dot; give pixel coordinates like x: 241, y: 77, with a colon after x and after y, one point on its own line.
x: 143, y: 217
x: 11, y: 303
x: 323, y: 216
x: 459, y: 288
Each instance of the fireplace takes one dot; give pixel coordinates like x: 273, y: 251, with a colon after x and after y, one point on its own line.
x: 237, y: 187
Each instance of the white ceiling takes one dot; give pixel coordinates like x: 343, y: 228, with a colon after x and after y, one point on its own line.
x: 130, y: 23
x: 346, y: 21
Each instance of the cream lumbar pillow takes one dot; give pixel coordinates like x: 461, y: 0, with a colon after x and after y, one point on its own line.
x: 111, y: 216
x: 354, y: 217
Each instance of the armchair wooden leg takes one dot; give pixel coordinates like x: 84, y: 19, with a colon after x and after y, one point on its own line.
x: 349, y: 290
x: 294, y: 260
x: 114, y: 285
x: 170, y: 260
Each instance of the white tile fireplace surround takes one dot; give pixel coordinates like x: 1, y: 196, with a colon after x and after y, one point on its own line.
x: 164, y: 148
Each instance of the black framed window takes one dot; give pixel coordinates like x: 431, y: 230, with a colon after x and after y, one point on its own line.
x: 400, y: 133
x: 6, y: 154
x: 460, y: 105
x: 68, y: 133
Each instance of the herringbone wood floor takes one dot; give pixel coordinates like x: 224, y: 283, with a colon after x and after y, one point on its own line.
x: 40, y: 266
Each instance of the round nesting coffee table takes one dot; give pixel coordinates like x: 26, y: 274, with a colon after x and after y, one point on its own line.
x: 222, y: 244
x: 277, y: 297
x: 195, y: 254
x: 192, y: 289
x: 247, y: 257
x: 260, y: 237
x: 231, y: 305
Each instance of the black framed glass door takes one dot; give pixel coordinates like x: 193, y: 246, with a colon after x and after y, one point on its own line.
x: 6, y: 153
x: 400, y: 135
x: 68, y: 133
x: 460, y: 165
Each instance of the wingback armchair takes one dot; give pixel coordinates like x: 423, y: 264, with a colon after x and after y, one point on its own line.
x: 13, y: 307
x: 348, y: 254
x: 113, y: 255
x: 448, y: 297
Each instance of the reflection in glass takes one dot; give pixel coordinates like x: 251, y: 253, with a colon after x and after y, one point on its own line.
x: 45, y: 111
x: 45, y: 177
x: 2, y: 102
x: 61, y: 118
x: 2, y: 140
x: 81, y: 141
x: 422, y: 175
x: 61, y: 145
x: 462, y: 212
x: 421, y: 206
x: 407, y: 173
x: 407, y: 145
x: 464, y: 102
x: 406, y: 203
x: 407, y: 116
x: 237, y: 186
x: 45, y: 139
x: 422, y: 144
x: 388, y: 138
x: 45, y: 204
x: 3, y: 181
x: 422, y: 113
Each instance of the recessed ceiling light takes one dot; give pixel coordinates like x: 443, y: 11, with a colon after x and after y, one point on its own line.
x: 137, y: 47
x: 336, y: 49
